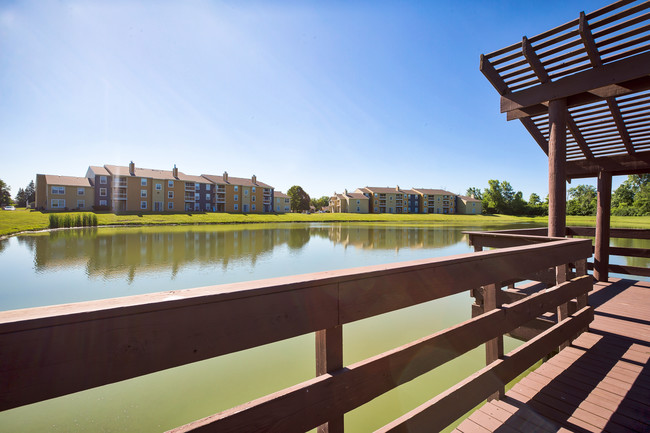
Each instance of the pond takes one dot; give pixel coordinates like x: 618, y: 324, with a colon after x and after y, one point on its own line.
x: 79, y: 265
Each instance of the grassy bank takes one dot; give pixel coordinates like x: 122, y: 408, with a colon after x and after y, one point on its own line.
x: 21, y: 220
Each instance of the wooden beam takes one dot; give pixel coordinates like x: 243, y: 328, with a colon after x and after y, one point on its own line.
x: 329, y: 358
x: 493, y: 347
x: 620, y: 124
x: 636, y: 163
x: 575, y: 131
x: 534, y: 131
x: 588, y: 41
x: 603, y: 211
x: 533, y: 61
x: 556, y: 168
x: 591, y: 80
x: 493, y: 76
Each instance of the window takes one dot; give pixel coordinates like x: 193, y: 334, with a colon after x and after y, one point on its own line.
x: 103, y: 180
x: 358, y: 202
x: 286, y: 200
x: 358, y: 209
x: 245, y: 192
x: 207, y: 197
x: 253, y: 198
x: 197, y: 196
x: 58, y: 190
x: 236, y: 187
x: 102, y: 192
x: 170, y: 194
x: 236, y: 198
x: 143, y: 205
x: 170, y: 205
x: 158, y: 186
x: 81, y: 204
x: 103, y: 203
x: 170, y: 184
x: 157, y: 206
x: 207, y: 206
x: 58, y: 203
x: 253, y: 189
x: 143, y: 193
x: 197, y: 206
x: 143, y: 182
x: 236, y: 206
x: 252, y: 207
x: 81, y: 191
x: 207, y: 187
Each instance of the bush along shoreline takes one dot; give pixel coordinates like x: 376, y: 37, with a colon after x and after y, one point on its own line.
x: 69, y: 220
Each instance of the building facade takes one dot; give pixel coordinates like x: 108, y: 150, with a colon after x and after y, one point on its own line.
x: 281, y: 202
x: 468, y: 205
x: 355, y: 202
x: 436, y: 201
x: 133, y: 189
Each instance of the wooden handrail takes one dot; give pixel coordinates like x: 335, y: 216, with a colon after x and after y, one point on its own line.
x: 117, y: 339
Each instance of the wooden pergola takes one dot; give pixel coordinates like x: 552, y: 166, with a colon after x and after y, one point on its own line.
x: 582, y: 90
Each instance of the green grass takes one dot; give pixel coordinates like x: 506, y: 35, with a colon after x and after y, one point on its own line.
x: 21, y: 220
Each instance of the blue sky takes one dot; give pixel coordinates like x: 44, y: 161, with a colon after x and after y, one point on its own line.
x: 327, y: 95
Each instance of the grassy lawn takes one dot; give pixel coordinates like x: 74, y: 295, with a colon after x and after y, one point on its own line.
x: 22, y: 220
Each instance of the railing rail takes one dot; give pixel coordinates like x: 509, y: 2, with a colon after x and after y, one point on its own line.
x: 619, y: 251
x: 117, y: 339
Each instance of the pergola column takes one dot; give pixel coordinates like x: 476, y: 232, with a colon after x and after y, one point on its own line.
x: 557, y: 168
x: 603, y: 212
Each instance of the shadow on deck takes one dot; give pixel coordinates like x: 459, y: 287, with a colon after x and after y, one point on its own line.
x: 599, y: 383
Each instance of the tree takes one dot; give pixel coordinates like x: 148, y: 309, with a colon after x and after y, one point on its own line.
x: 5, y: 194
x: 474, y: 192
x: 534, y: 200
x: 632, y: 196
x: 582, y: 200
x: 494, y: 197
x: 30, y: 192
x: 299, y: 199
x: 21, y: 198
x: 320, y: 203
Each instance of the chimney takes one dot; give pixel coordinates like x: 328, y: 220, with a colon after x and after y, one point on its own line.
x: 175, y: 172
x: 397, y: 188
x: 346, y: 192
x: 132, y: 168
x: 225, y: 176
x: 254, y: 179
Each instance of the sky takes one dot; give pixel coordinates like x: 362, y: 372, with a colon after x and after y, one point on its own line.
x: 328, y: 95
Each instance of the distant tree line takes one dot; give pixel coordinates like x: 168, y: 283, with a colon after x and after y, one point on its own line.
x: 23, y: 196
x: 632, y: 197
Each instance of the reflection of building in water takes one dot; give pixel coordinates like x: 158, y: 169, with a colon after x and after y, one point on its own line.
x: 126, y: 253
x: 380, y: 237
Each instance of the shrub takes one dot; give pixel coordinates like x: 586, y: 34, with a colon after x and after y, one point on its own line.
x: 78, y: 221
x: 54, y: 221
x: 67, y: 220
x: 94, y: 220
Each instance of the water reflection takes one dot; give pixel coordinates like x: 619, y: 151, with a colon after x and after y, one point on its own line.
x: 124, y: 253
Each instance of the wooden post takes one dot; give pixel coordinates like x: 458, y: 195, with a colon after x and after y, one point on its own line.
x: 603, y: 212
x: 562, y: 309
x: 557, y: 168
x: 494, y: 347
x: 329, y: 358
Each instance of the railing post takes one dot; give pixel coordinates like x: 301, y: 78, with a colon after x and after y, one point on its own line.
x: 562, y: 309
x: 329, y: 358
x: 494, y: 347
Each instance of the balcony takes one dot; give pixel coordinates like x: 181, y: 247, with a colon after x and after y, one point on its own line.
x: 190, y: 186
x: 119, y: 196
x: 189, y: 197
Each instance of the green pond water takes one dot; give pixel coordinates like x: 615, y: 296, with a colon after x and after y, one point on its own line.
x: 79, y: 265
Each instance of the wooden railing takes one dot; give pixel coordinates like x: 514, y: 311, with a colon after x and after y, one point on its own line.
x: 619, y: 251
x: 57, y: 350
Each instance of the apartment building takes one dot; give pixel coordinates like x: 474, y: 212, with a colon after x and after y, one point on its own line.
x: 355, y: 202
x: 245, y: 195
x: 64, y: 193
x: 436, y: 201
x: 133, y: 189
x: 281, y: 202
x: 468, y: 205
x: 385, y: 200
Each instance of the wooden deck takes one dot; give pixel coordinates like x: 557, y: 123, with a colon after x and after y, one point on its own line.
x: 599, y: 383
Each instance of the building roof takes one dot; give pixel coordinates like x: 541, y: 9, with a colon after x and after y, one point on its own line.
x: 190, y: 178
x: 432, y: 191
x: 384, y: 190
x: 279, y: 194
x: 469, y: 199
x: 599, y: 63
x: 52, y: 179
x: 99, y: 171
x: 241, y: 181
x: 356, y: 195
x: 117, y: 170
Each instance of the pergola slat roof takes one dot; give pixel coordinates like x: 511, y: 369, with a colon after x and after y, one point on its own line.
x: 600, y: 64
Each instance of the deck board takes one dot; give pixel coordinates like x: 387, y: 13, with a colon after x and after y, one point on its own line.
x: 599, y: 383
